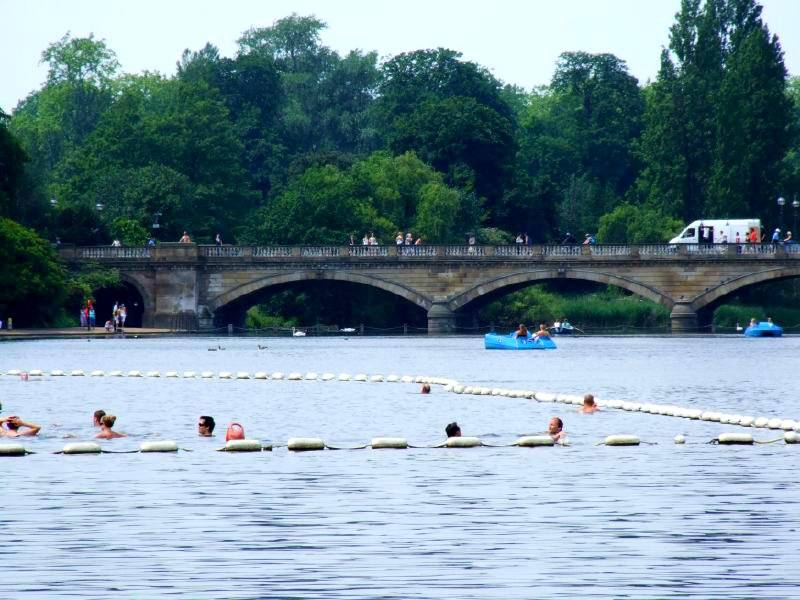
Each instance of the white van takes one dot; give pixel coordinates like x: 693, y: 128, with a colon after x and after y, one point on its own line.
x: 718, y: 231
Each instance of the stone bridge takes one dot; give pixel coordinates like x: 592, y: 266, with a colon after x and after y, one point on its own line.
x: 189, y: 286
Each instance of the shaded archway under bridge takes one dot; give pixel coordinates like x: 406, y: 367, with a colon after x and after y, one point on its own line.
x: 323, y: 303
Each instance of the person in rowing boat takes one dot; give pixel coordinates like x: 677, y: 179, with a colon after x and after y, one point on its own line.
x: 542, y: 333
x: 521, y: 332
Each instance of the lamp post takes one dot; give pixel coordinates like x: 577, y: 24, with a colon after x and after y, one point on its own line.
x: 156, y: 226
x: 781, y: 204
x: 795, y: 206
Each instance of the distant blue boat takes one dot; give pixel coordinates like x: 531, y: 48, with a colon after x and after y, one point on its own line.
x: 764, y: 329
x: 496, y: 341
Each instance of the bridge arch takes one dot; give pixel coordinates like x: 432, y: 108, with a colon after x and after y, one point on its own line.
x: 717, y: 294
x: 522, y: 277
x: 257, y: 285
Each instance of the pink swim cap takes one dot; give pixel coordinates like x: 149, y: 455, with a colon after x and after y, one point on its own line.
x: 235, y: 432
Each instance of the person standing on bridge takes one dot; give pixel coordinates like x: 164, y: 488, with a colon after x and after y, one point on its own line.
x: 185, y: 239
x: 218, y: 240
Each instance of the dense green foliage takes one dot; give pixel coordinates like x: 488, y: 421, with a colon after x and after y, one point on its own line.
x: 288, y: 141
x: 594, y: 309
x: 32, y: 282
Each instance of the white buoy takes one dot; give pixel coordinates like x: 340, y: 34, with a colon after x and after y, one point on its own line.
x: 394, y: 443
x: 57, y: 373
x: 788, y: 425
x: 622, y: 440
x: 392, y: 379
x: 407, y: 379
x: 242, y: 375
x: 467, y: 390
x: 376, y: 378
x: 171, y: 374
x: 261, y: 375
x: 359, y: 377
x: 159, y: 446
x: 153, y: 374
x: 448, y: 388
x: 189, y: 374
x: 35, y: 373
x: 746, y: 421
x: 243, y: 446
x: 116, y: 374
x: 679, y: 439
x: 294, y: 376
x: 82, y: 448
x: 311, y: 376
x: 533, y: 441
x: 14, y: 372
x: 207, y: 375
x: 225, y: 375
x: 761, y: 422
x: 344, y: 377
x: 328, y: 377
x: 463, y: 442
x: 735, y: 438
x: 458, y: 389
x: 77, y: 373
x: 277, y: 375
x: 797, y: 427
x: 134, y: 373
x: 774, y: 423
x: 12, y: 450
x: 305, y: 444
x: 97, y: 374
x: 545, y: 397
x: 791, y: 437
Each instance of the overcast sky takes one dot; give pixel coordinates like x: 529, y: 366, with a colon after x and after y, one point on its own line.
x: 518, y: 41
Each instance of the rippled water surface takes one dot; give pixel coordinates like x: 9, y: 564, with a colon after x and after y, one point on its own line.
x: 654, y: 521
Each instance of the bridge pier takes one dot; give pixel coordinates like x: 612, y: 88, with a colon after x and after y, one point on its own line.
x: 441, y: 320
x: 683, y: 319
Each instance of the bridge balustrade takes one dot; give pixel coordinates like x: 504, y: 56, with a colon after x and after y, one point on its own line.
x: 319, y: 251
x: 369, y: 251
x: 465, y: 251
x: 100, y: 252
x: 222, y: 251
x: 426, y: 251
x: 272, y: 251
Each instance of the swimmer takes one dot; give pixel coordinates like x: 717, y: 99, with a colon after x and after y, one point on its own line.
x: 235, y: 432
x: 98, y: 414
x: 205, y: 426
x: 556, y: 430
x: 106, y: 433
x: 426, y: 389
x: 13, y: 425
x: 542, y: 333
x: 589, y: 405
x: 453, y: 430
x: 521, y: 332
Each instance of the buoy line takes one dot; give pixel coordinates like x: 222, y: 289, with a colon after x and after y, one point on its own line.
x: 309, y: 444
x: 448, y: 385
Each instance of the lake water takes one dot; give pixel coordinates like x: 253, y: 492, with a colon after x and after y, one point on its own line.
x: 653, y: 521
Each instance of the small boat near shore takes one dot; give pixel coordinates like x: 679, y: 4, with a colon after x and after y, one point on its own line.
x: 496, y: 341
x: 764, y: 329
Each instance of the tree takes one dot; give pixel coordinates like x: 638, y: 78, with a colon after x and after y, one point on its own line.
x: 437, y: 214
x: 12, y: 169
x: 631, y: 224
x: 717, y: 119
x: 31, y: 279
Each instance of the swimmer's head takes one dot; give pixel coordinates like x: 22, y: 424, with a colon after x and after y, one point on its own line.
x: 426, y: 389
x: 205, y: 426
x: 588, y: 400
x: 108, y: 420
x: 98, y: 415
x: 13, y: 423
x: 555, y: 425
x: 453, y: 430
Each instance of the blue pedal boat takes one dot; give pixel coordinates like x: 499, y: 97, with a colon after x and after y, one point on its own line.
x: 496, y: 341
x: 764, y: 329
